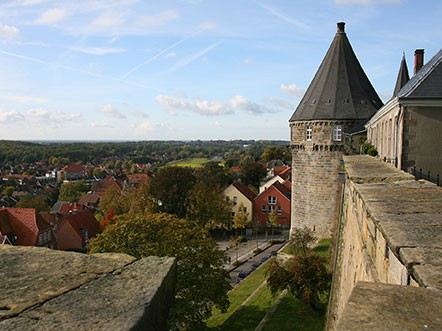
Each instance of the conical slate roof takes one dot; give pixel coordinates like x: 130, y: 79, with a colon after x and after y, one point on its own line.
x: 403, y: 77
x: 340, y: 89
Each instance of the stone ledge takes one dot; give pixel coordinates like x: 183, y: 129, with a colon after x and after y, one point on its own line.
x: 43, y: 289
x: 376, y: 306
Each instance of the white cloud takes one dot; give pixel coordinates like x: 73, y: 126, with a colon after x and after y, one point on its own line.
x: 281, y: 103
x: 159, y: 19
x: 108, y: 20
x: 249, y: 107
x: 139, y: 114
x: 212, y: 108
x: 366, y: 2
x: 56, y: 117
x: 203, y: 107
x: 111, y: 111
x: 100, y: 125
x: 22, y: 98
x: 8, y: 32
x: 51, y: 16
x: 11, y: 116
x: 171, y: 54
x: 292, y: 90
x: 145, y: 126
x: 97, y: 50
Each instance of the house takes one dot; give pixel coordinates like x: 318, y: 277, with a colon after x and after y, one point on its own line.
x: 25, y: 227
x: 74, y: 230
x: 64, y: 207
x: 90, y: 201
x: 74, y: 172
x: 134, y: 180
x: 407, y: 130
x: 100, y: 187
x: 281, y: 174
x: 239, y: 194
x: 275, y: 198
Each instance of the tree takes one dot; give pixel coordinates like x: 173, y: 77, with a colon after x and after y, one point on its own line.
x: 37, y: 202
x: 214, y: 175
x: 276, y: 153
x: 7, y: 192
x: 207, y: 207
x: 201, y: 278
x: 241, y: 218
x: 113, y: 199
x: 169, y: 188
x: 71, y: 191
x: 252, y: 173
x: 306, y: 275
x: 273, y: 220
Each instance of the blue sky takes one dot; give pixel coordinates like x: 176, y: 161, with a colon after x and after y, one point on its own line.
x: 188, y: 69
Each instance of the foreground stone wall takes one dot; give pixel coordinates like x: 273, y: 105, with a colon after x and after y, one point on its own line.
x: 43, y: 289
x: 390, y: 233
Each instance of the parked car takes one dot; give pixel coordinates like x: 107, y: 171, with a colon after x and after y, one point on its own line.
x: 243, y: 274
x: 265, y: 258
x: 255, y: 266
x: 273, y: 253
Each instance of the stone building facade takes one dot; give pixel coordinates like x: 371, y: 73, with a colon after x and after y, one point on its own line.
x: 339, y: 98
x: 407, y: 131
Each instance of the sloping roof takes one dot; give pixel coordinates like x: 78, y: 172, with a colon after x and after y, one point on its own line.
x: 244, y: 190
x: 74, y: 168
x: 283, y: 189
x: 25, y: 223
x: 83, y: 220
x: 89, y: 199
x: 403, y: 77
x: 427, y: 83
x: 340, y: 89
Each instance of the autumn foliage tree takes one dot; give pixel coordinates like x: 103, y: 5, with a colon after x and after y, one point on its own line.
x: 201, y: 278
x: 306, y: 275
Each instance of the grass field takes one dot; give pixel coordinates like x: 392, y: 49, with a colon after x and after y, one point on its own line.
x: 193, y: 163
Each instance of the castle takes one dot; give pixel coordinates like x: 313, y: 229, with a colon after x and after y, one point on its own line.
x: 386, y: 223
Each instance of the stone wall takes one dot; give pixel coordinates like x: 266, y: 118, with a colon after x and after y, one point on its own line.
x: 43, y: 289
x: 390, y: 232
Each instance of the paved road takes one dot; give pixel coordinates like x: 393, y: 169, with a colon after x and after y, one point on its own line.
x: 255, y: 259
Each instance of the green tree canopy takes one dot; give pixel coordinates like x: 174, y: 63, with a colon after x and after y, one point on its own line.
x: 207, y: 207
x: 215, y: 175
x: 37, y: 202
x: 201, y: 278
x: 252, y: 173
x: 71, y: 191
x: 169, y: 188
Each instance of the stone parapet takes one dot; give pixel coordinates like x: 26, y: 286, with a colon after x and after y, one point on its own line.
x: 44, y: 289
x: 390, y: 232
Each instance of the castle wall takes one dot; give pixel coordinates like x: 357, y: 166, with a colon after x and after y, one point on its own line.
x: 389, y: 233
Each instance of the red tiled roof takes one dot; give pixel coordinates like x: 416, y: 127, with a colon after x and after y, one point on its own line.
x: 83, y: 220
x: 89, y: 199
x: 235, y: 169
x: 74, y: 168
x: 244, y: 189
x: 100, y: 186
x: 25, y: 223
x: 69, y: 207
x: 282, y: 188
x: 137, y: 178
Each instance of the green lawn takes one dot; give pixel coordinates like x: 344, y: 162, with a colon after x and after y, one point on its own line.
x: 193, y: 163
x: 291, y: 314
x: 237, y: 296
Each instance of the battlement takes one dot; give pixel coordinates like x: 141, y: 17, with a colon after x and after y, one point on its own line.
x: 389, y: 235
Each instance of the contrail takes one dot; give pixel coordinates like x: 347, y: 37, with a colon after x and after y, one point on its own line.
x: 193, y: 57
x: 85, y: 72
x: 280, y: 14
x: 160, y: 53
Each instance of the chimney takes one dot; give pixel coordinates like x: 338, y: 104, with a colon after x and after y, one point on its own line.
x: 418, y: 60
x: 341, y: 27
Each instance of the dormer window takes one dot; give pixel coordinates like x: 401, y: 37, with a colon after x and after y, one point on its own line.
x: 309, y: 132
x: 337, y: 133
x: 346, y: 100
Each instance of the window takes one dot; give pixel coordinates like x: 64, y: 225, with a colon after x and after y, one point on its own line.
x: 227, y: 199
x: 263, y: 209
x: 337, y: 133
x: 309, y: 132
x: 270, y: 208
x: 279, y: 211
x: 235, y: 200
x: 271, y: 200
x: 244, y: 209
x: 233, y: 214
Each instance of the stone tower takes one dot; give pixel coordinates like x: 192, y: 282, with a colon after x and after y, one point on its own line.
x: 339, y: 98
